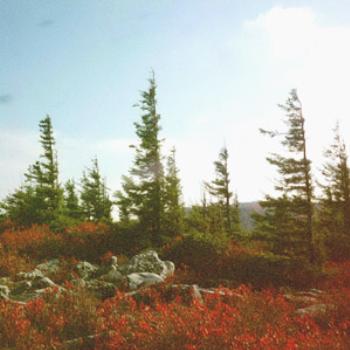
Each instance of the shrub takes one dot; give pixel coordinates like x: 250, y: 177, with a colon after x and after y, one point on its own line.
x: 216, y: 260
x: 200, y: 252
x: 11, y: 263
x: 227, y: 319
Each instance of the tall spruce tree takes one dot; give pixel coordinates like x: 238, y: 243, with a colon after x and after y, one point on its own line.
x: 219, y: 188
x: 289, y: 217
x: 142, y: 195
x: 96, y: 204
x: 174, y: 210
x: 334, y: 213
x: 39, y: 199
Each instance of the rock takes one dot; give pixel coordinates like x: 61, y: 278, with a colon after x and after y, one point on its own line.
x: 169, y: 269
x: 143, y: 270
x: 21, y: 287
x: 300, y: 300
x: 143, y: 279
x: 32, y: 275
x: 50, y: 267
x: 4, y: 292
x: 44, y: 282
x: 114, y: 261
x: 148, y: 262
x: 101, y: 289
x: 85, y: 270
x: 316, y: 310
x: 6, y: 281
x: 113, y: 276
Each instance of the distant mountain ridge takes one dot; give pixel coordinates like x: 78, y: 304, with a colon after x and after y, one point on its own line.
x: 246, y: 209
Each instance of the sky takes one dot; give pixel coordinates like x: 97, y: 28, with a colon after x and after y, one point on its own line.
x: 221, y: 66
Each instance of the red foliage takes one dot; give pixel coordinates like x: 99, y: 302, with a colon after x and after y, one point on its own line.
x: 241, y: 319
x: 20, y: 240
x: 164, y: 318
x: 88, y: 227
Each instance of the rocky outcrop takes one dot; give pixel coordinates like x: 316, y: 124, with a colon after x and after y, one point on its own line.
x: 141, y: 271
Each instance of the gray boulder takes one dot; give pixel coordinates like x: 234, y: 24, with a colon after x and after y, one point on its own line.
x: 50, y: 267
x: 113, y: 276
x: 143, y: 279
x: 85, y: 270
x: 31, y: 276
x: 101, y: 289
x: 4, y: 292
x: 316, y: 310
x: 44, y: 282
x: 21, y: 287
x: 148, y: 262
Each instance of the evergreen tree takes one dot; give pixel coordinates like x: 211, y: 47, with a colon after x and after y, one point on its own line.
x: 206, y: 217
x: 334, y: 213
x: 21, y: 207
x: 39, y: 200
x: 144, y: 189
x: 125, y: 200
x: 174, y: 211
x: 219, y: 188
x: 71, y: 201
x: 96, y: 204
x: 290, y: 216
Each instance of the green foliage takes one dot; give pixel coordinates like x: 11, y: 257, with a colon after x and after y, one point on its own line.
x: 39, y: 199
x: 173, y: 207
x: 334, y: 208
x: 96, y: 205
x: 219, y: 188
x: 290, y: 216
x: 269, y: 270
x: 72, y: 206
x: 142, y: 194
x: 200, y: 252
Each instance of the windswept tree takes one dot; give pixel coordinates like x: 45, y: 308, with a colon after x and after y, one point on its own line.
x: 220, y: 190
x: 334, y: 213
x: 289, y: 218
x: 95, y: 202
x: 142, y: 192
x: 39, y: 199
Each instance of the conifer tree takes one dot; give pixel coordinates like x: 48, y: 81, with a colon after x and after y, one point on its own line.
x: 96, y: 204
x: 219, y: 188
x: 335, y: 203
x: 174, y: 211
x: 290, y: 216
x: 22, y: 207
x: 144, y: 189
x: 40, y: 198
x: 71, y: 201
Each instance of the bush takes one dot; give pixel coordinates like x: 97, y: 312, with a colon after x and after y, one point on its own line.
x: 268, y: 270
x: 200, y: 252
x: 87, y: 241
x: 216, y: 260
x: 11, y: 264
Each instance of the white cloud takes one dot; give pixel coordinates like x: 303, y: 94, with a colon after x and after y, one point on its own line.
x: 301, y: 52
x: 281, y: 48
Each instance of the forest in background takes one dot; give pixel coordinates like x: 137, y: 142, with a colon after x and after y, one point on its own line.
x: 295, y: 223
x: 296, y: 240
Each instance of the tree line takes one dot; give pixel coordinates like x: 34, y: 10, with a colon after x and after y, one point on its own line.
x: 295, y: 222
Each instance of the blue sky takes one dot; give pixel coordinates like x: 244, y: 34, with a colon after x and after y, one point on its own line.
x: 221, y: 67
